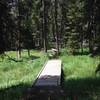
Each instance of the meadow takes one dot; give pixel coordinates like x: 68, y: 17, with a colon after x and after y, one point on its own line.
x: 80, y: 78
x: 79, y: 74
x: 16, y: 77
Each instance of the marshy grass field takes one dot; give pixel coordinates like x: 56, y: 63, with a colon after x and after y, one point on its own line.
x: 78, y: 70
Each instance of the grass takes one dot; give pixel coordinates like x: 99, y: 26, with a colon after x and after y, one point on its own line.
x: 15, y: 77
x: 80, y: 77
x: 79, y: 74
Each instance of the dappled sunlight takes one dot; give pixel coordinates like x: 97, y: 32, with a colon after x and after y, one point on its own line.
x: 34, y: 34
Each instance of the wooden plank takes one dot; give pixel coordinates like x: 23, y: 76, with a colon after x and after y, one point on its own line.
x: 50, y: 74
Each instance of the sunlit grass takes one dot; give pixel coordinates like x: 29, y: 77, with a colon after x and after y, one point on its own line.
x: 16, y: 77
x: 79, y: 66
x: 79, y: 73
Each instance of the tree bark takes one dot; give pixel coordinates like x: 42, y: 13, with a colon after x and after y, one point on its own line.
x: 56, y: 26
x: 18, y: 34
x: 45, y: 26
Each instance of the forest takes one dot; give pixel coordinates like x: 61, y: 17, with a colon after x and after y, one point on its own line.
x: 45, y: 24
x: 30, y: 29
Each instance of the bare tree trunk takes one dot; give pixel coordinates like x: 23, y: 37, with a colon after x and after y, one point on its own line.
x: 45, y: 26
x: 62, y: 31
x: 92, y: 27
x: 18, y: 54
x: 18, y: 47
x: 18, y: 34
x: 56, y: 26
x: 28, y: 52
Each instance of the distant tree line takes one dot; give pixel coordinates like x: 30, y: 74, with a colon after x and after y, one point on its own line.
x: 32, y: 24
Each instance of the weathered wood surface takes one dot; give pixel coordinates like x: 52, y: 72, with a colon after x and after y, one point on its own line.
x: 50, y: 75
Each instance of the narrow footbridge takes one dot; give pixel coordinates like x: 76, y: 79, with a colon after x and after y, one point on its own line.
x: 50, y: 75
x: 47, y: 85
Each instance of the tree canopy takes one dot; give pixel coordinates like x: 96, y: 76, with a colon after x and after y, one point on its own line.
x: 37, y: 24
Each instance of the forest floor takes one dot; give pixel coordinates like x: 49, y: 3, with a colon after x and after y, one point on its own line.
x: 79, y: 75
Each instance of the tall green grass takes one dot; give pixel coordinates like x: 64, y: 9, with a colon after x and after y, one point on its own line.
x: 15, y: 77
x: 79, y: 73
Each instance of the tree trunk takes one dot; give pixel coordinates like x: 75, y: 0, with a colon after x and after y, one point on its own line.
x: 28, y: 52
x: 92, y: 26
x: 62, y: 31
x: 56, y: 26
x: 19, y: 35
x: 18, y: 54
x: 45, y: 26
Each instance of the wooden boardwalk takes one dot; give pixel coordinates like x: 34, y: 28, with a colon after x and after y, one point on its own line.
x: 48, y: 83
x: 50, y: 75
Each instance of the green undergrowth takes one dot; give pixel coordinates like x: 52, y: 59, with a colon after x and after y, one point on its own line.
x: 15, y: 77
x: 79, y: 74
